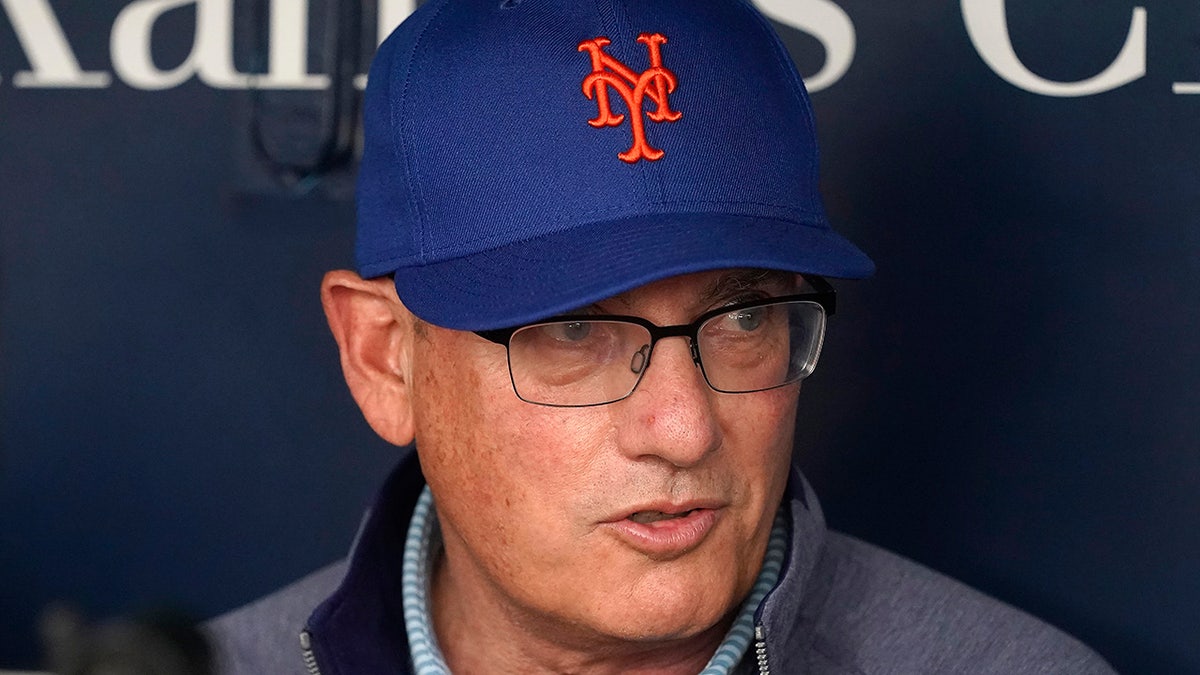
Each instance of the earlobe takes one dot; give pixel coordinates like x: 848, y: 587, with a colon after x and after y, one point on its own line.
x: 374, y: 334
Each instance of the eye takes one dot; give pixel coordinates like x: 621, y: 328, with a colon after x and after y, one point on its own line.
x: 746, y: 319
x: 568, y: 331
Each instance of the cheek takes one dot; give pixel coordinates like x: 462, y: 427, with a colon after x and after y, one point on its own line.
x: 454, y: 415
x: 487, y: 454
x: 759, y: 431
x: 762, y: 423
x: 780, y: 434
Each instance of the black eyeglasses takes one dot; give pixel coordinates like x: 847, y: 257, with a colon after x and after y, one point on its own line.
x: 588, y: 359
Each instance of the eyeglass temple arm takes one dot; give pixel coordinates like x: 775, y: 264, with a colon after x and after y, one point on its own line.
x: 824, y: 288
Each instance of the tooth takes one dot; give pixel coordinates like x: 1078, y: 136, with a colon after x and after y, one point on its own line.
x: 646, y: 517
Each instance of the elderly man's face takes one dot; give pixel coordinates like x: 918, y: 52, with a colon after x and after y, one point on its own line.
x: 536, y: 502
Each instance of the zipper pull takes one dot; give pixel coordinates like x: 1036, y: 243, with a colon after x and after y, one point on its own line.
x: 310, y: 658
x: 760, y: 650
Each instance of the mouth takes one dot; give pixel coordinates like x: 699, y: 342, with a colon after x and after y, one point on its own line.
x: 650, y: 517
x: 665, y: 532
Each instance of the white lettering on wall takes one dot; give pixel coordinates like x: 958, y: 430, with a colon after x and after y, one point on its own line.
x: 987, y: 26
x: 53, y: 64
x: 391, y: 13
x: 211, y: 56
x: 134, y: 62
x: 288, y: 65
x: 825, y: 21
x: 41, y: 36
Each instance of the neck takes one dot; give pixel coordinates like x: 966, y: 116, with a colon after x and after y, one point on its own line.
x: 478, y: 632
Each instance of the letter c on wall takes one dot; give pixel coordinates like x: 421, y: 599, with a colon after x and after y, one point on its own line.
x: 987, y: 25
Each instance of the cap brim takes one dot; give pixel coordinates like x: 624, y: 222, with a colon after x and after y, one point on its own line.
x: 554, y: 274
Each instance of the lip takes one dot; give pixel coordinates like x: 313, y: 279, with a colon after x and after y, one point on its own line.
x: 666, y: 539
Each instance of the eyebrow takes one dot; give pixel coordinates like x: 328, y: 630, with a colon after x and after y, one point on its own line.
x: 739, y: 281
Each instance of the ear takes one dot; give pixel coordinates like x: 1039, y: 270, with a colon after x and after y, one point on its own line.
x: 374, y: 333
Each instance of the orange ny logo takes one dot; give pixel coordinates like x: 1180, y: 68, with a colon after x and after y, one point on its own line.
x: 656, y: 82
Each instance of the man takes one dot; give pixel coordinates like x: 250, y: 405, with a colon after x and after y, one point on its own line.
x: 591, y: 259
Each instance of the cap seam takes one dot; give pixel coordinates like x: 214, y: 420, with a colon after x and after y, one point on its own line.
x: 785, y: 59
x: 624, y: 28
x: 408, y: 159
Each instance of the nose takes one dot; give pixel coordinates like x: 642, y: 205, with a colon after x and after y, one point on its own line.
x: 671, y: 414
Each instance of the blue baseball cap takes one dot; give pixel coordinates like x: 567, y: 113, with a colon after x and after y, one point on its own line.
x: 524, y: 158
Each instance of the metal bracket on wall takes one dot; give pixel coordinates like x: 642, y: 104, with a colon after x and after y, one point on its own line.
x: 304, y: 141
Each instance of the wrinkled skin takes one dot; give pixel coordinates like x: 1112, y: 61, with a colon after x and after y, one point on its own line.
x: 532, y: 579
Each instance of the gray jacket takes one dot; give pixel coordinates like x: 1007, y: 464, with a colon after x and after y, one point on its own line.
x: 841, y: 607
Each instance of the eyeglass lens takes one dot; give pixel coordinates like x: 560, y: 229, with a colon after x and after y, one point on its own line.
x: 585, y: 362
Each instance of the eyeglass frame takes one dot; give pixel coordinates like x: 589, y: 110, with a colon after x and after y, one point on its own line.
x: 822, y: 294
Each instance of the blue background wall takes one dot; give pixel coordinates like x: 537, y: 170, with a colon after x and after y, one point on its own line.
x: 1012, y: 400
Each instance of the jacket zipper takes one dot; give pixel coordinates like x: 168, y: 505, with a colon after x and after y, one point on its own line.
x: 310, y: 659
x: 760, y: 650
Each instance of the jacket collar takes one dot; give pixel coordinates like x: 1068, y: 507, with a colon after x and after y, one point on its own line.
x: 780, y: 613
x: 359, y: 630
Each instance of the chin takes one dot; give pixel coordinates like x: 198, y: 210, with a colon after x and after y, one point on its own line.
x: 664, y: 614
